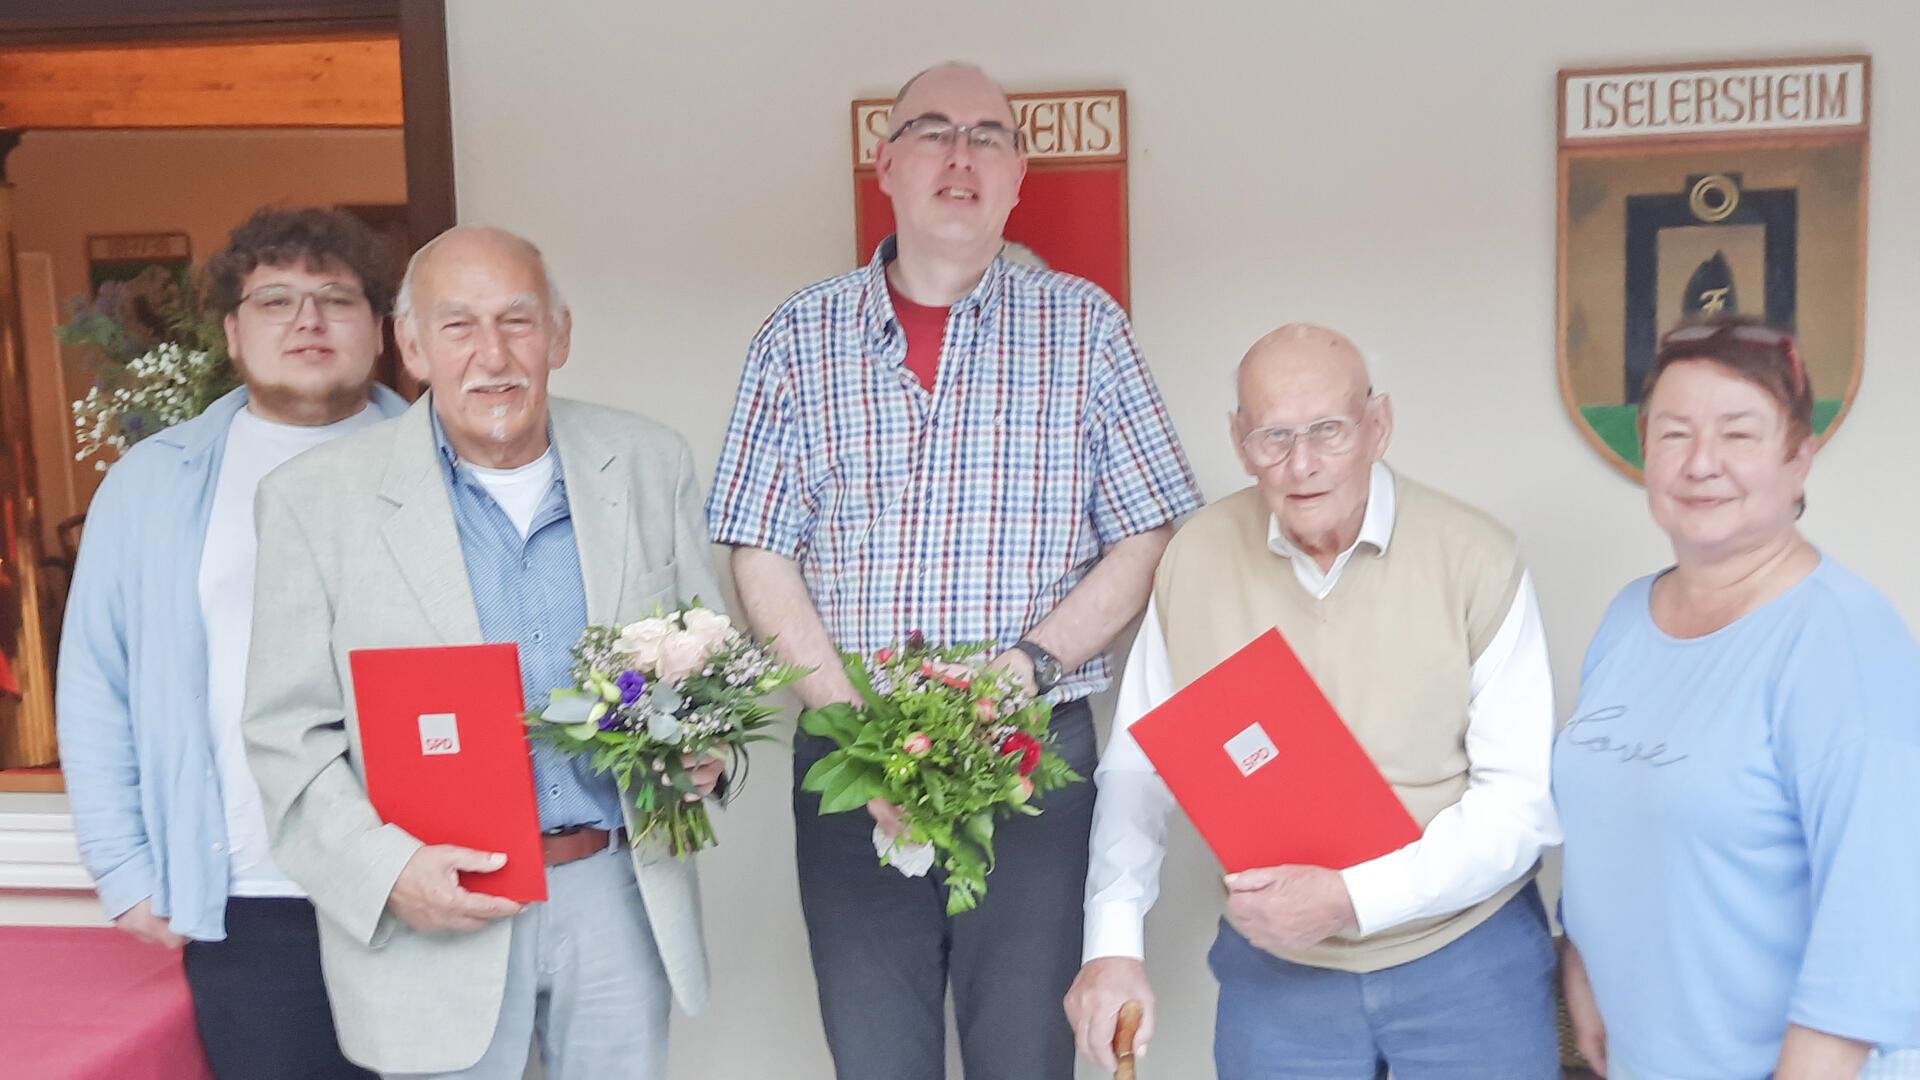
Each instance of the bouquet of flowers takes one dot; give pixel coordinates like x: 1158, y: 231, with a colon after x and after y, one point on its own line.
x: 683, y: 682
x: 151, y: 393
x: 954, y: 744
x: 159, y: 357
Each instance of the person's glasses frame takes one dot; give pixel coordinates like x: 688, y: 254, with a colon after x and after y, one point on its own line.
x: 937, y: 131
x: 1767, y: 337
x: 281, y: 304
x: 1333, y: 436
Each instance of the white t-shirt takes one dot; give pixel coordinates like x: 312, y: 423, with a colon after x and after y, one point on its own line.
x: 519, y: 491
x: 255, y: 447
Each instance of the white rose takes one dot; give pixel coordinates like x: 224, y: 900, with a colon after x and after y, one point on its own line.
x: 710, y: 627
x: 681, y: 655
x: 641, y: 641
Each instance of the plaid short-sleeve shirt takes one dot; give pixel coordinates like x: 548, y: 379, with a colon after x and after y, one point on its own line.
x: 967, y: 512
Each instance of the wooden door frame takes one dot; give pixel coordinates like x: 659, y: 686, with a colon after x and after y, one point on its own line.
x: 420, y: 24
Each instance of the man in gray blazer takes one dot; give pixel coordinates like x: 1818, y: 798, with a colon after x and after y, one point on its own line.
x: 485, y: 513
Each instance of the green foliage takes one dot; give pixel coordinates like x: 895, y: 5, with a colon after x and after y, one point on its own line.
x: 941, y: 736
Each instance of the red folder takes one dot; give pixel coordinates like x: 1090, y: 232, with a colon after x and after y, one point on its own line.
x: 446, y: 756
x: 1268, y: 771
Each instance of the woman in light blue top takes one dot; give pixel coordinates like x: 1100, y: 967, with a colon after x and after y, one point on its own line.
x: 1737, y: 784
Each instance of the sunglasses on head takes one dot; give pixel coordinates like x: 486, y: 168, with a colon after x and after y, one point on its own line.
x: 1768, y: 337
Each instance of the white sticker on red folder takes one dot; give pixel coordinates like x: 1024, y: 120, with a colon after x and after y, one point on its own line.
x: 439, y: 733
x: 1250, y: 750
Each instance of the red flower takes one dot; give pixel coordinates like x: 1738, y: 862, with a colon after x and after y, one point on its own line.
x: 916, y: 641
x: 883, y: 656
x: 917, y: 743
x: 1027, y: 747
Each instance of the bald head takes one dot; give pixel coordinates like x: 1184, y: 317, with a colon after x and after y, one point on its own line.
x: 1301, y: 360
x: 470, y: 244
x: 1308, y: 430
x: 942, y: 82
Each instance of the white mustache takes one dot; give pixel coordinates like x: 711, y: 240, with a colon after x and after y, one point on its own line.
x: 515, y: 382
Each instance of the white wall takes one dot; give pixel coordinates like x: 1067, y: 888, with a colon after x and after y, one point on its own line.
x: 1387, y: 168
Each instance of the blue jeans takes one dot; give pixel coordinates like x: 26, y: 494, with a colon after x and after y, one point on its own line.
x: 1479, y: 1008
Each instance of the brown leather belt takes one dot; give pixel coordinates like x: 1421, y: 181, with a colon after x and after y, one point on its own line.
x: 578, y: 842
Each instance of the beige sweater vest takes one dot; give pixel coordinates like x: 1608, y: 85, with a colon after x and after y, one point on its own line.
x: 1392, y: 647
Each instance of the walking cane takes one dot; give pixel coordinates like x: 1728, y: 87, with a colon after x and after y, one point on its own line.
x: 1123, y: 1033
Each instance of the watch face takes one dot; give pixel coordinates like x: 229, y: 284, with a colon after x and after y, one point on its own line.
x: 1046, y: 671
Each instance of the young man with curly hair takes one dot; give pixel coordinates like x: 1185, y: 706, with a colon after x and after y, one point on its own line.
x: 153, y: 657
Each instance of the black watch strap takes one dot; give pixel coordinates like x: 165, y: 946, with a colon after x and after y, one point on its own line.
x: 1046, y: 666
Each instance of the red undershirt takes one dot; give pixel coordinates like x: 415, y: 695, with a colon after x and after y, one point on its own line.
x: 926, y: 330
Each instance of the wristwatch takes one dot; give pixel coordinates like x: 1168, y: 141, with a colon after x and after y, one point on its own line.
x: 1046, y: 666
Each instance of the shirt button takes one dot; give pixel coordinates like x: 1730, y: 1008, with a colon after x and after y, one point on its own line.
x: 538, y: 636
x: 554, y: 790
x: 218, y: 846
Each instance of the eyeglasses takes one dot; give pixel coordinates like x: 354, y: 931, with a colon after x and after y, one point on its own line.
x: 1767, y: 337
x: 1269, y: 446
x: 930, y: 133
x: 278, y: 304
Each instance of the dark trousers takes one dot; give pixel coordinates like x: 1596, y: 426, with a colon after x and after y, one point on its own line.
x: 261, y: 1006
x: 884, y: 947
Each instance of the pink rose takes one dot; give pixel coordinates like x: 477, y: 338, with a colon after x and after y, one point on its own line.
x: 709, y: 627
x: 917, y: 743
x: 986, y: 709
x: 641, y: 641
x: 681, y: 654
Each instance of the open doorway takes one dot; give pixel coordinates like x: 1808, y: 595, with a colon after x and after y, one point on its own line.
x: 133, y: 137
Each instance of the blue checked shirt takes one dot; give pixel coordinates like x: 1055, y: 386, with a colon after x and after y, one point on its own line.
x: 530, y: 592
x: 966, y: 513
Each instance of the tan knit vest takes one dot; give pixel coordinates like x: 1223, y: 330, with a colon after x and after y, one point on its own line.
x: 1392, y: 647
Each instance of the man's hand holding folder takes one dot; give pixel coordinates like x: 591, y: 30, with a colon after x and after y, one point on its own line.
x: 1289, y: 908
x: 428, y: 895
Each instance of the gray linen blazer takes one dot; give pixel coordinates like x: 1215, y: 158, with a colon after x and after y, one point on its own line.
x: 358, y: 549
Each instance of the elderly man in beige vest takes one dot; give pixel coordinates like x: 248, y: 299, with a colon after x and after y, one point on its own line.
x: 1415, y: 616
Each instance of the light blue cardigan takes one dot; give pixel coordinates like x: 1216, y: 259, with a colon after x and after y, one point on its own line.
x: 135, y: 744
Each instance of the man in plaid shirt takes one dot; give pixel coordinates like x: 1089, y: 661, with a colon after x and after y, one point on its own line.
x: 948, y: 442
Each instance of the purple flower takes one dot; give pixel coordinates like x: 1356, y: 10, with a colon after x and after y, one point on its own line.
x: 632, y: 684
x: 611, y: 720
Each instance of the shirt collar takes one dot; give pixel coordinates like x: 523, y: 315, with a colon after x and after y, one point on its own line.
x: 877, y: 305
x: 1376, y: 528
x: 451, y: 459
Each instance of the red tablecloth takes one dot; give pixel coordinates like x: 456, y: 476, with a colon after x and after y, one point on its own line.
x: 87, y: 1004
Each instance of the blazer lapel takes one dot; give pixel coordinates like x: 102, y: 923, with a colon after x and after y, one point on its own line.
x: 421, y: 535
x: 598, y: 493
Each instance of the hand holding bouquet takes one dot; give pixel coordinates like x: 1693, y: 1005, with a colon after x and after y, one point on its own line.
x: 682, y: 684
x: 952, y: 742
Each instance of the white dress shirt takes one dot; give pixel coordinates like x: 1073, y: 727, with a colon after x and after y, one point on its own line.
x: 1469, y: 851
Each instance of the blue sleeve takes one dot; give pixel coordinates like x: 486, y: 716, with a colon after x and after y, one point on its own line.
x: 1847, y: 737
x: 756, y: 501
x: 97, y: 753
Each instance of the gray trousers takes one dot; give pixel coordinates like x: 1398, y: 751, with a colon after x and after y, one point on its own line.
x: 884, y: 948
x: 584, y: 983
